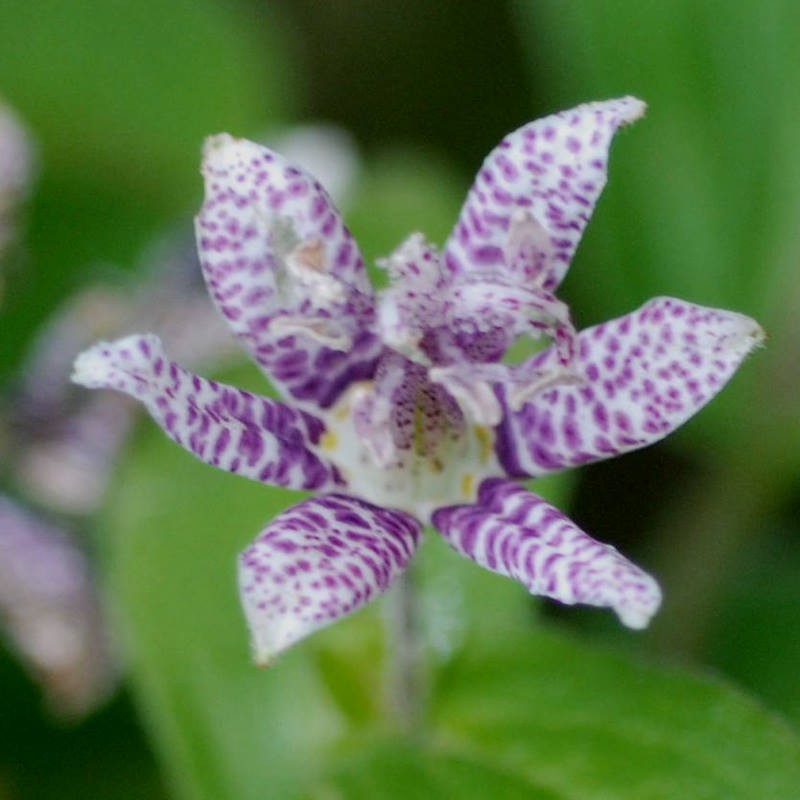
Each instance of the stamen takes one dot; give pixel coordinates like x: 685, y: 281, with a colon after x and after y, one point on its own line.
x: 304, y: 283
x: 472, y: 386
x: 321, y: 329
x: 521, y: 393
x: 473, y: 393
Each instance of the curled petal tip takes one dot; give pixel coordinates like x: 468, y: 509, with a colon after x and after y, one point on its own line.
x: 90, y: 366
x: 745, y: 334
x: 317, y: 562
x: 217, y: 142
x: 215, y: 145
x: 721, y: 330
x: 98, y: 366
x: 637, y: 611
x: 268, y: 643
x: 223, y: 150
x: 632, y: 109
x: 515, y: 533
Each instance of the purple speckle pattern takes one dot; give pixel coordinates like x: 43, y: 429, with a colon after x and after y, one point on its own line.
x: 554, y: 169
x: 403, y: 403
x: 639, y: 377
x: 462, y: 324
x: 477, y: 319
x: 515, y: 533
x: 320, y: 560
x: 258, y: 208
x: 407, y: 412
x: 224, y: 426
x: 478, y: 307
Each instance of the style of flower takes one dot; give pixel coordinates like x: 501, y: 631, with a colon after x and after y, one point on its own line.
x: 398, y: 409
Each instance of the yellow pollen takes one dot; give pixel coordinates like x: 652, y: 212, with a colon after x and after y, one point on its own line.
x: 486, y: 441
x: 329, y: 440
x: 467, y: 480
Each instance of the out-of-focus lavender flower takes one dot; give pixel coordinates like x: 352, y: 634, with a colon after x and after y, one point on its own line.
x: 65, y: 443
x: 399, y: 409
x: 50, y: 611
x: 64, y: 446
x: 16, y: 171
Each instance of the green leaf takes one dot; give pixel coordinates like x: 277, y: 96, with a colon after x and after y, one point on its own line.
x: 591, y: 724
x: 135, y: 87
x: 398, y: 768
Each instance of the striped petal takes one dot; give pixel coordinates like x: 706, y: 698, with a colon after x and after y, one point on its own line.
x: 284, y: 271
x: 518, y: 534
x: 535, y: 193
x: 639, y: 378
x: 317, y: 562
x: 223, y: 426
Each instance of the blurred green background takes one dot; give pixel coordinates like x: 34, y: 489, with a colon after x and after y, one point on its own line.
x: 524, y: 699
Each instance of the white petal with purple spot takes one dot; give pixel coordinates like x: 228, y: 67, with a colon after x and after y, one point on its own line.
x: 639, y: 377
x: 518, y: 534
x: 284, y: 271
x: 412, y: 407
x: 317, y: 562
x: 554, y: 170
x: 227, y: 427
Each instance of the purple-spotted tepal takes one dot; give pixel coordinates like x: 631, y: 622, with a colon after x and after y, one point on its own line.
x: 397, y: 407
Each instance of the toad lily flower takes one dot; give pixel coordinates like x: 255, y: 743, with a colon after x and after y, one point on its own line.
x: 397, y: 407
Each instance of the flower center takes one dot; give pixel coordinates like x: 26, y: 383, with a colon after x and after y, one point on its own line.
x: 401, y: 440
x: 460, y: 325
x: 419, y: 434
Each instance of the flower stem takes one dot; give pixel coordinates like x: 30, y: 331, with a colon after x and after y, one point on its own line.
x: 405, y: 667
